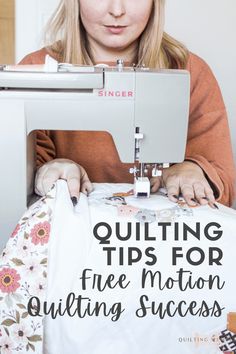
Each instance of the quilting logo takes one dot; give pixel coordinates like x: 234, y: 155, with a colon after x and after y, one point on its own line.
x: 228, y: 336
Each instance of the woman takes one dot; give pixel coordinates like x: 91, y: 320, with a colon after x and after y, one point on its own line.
x: 88, y: 32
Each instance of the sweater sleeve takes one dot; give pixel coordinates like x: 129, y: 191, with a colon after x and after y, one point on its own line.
x: 45, y: 147
x: 209, y: 142
x: 37, y: 57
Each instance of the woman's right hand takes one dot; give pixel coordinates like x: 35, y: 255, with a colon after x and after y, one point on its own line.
x: 75, y: 175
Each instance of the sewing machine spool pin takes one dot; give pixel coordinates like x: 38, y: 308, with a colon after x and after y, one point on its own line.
x: 120, y: 64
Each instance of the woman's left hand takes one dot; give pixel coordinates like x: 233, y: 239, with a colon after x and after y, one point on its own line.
x: 188, y: 179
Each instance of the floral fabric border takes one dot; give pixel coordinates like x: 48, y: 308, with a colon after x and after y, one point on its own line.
x: 23, y: 274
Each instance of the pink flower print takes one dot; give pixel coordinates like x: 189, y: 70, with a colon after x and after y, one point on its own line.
x: 39, y: 288
x: 7, y: 345
x: 21, y: 332
x: 9, y: 280
x: 40, y: 233
x: 127, y: 210
x: 25, y: 247
x: 15, y: 232
x: 31, y: 267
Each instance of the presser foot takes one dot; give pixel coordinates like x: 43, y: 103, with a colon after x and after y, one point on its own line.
x: 142, y: 187
x: 142, y: 184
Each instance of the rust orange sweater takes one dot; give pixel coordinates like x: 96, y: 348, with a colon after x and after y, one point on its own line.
x: 208, y: 142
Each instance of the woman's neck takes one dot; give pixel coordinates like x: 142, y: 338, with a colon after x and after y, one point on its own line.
x: 109, y: 55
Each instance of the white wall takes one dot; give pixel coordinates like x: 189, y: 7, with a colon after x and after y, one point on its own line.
x: 31, y: 16
x: 207, y: 27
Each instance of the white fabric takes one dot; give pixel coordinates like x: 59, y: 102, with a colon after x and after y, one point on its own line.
x: 73, y: 247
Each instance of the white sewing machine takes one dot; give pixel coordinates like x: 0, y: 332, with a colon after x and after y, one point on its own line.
x: 146, y: 112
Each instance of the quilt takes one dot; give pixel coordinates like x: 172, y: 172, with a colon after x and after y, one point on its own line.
x: 117, y: 274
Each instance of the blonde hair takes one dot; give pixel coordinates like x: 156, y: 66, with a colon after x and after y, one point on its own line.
x: 66, y: 38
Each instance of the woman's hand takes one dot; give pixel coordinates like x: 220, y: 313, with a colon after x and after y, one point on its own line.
x: 75, y: 175
x: 188, y: 179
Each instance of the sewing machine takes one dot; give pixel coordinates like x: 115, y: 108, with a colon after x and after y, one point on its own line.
x: 146, y: 111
